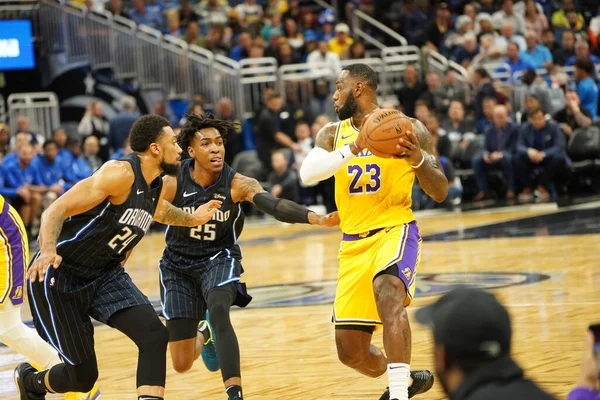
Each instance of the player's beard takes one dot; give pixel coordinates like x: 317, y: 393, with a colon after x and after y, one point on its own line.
x: 349, y: 108
x: 169, y: 169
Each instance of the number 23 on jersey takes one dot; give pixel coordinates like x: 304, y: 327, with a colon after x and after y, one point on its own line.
x: 365, y: 180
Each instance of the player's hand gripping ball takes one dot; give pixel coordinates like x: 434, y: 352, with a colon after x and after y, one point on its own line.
x: 382, y: 130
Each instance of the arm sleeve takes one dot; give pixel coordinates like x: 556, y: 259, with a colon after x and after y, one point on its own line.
x: 283, y: 210
x: 321, y: 164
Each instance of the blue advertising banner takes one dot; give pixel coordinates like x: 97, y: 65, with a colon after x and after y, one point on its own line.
x: 16, y: 45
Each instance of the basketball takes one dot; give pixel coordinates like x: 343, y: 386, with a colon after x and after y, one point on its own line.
x: 382, y: 129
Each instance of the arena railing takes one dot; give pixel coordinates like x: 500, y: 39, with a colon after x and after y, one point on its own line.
x: 98, y: 33
x: 175, y: 69
x: 51, y: 17
x: 123, y: 48
x: 225, y: 74
x: 395, y: 60
x: 22, y: 9
x: 41, y: 108
x: 256, y: 75
x: 200, y: 63
x: 75, y: 32
x: 148, y: 57
x: 297, y: 82
x: 360, y: 21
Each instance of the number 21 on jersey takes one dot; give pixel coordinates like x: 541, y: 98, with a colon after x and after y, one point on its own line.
x: 373, y: 171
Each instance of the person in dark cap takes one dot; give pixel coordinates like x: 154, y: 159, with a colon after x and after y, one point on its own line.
x: 472, y: 334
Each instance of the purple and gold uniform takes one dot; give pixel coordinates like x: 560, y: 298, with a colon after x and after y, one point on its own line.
x: 14, y: 250
x: 373, y: 197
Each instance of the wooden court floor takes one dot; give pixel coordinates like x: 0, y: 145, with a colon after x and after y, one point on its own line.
x: 289, y: 352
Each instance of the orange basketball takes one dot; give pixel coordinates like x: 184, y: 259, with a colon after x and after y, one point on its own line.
x: 382, y: 131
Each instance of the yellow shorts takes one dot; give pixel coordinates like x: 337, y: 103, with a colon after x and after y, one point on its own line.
x: 362, y: 259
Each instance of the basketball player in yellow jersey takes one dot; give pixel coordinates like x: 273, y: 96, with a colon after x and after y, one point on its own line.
x: 14, y: 251
x: 380, y: 249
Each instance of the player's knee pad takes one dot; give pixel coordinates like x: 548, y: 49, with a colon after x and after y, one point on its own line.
x: 74, y: 378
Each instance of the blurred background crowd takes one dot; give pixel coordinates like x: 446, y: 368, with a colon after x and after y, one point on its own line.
x: 514, y: 114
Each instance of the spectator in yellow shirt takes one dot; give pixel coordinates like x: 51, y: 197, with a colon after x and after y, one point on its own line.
x: 342, y: 41
x: 560, y: 18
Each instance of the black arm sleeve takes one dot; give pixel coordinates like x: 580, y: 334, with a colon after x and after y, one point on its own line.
x: 283, y: 210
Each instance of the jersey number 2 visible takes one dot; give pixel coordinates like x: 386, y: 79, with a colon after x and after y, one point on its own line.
x: 204, y: 232
x: 356, y: 172
x: 122, y: 240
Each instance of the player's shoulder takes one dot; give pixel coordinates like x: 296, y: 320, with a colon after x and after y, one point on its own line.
x: 326, y: 135
x: 117, y: 171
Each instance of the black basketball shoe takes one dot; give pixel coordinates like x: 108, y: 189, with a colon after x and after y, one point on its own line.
x: 422, y: 382
x: 21, y: 371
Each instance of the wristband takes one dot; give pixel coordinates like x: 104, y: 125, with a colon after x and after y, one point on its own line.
x: 419, y: 164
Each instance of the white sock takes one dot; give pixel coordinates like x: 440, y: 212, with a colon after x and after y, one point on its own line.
x: 398, y: 376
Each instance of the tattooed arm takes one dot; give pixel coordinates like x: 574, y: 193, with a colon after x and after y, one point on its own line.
x: 167, y: 213
x: 248, y: 189
x: 418, y: 152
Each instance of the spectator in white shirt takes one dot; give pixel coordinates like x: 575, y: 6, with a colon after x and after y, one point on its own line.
x: 322, y: 57
x: 507, y: 14
x: 508, y: 35
x: 249, y: 12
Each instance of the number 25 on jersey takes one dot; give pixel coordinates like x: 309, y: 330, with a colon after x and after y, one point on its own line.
x: 373, y: 171
x: 204, y: 232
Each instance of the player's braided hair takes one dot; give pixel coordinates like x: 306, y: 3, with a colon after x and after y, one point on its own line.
x: 194, y: 123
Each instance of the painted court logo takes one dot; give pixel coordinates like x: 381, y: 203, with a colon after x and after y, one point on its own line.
x: 323, y: 292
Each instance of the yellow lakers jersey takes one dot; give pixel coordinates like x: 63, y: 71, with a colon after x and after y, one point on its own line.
x: 371, y: 192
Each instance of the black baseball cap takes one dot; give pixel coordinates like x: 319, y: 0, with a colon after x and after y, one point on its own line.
x: 469, y: 321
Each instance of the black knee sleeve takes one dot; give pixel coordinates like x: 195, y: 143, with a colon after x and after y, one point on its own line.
x: 74, y: 378
x: 228, y: 350
x: 142, y: 326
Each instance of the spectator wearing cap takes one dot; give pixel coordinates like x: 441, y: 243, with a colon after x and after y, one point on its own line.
x: 326, y: 21
x: 500, y: 144
x: 507, y: 14
x: 121, y: 124
x: 324, y: 57
x: 142, y: 15
x: 537, y: 55
x: 340, y: 44
x: 541, y: 145
x: 472, y: 336
x: 567, y: 48
x: 582, y: 50
x: 586, y: 86
x: 435, y: 32
x: 560, y: 17
x: 507, y: 36
x: 534, y: 19
x: 483, y: 25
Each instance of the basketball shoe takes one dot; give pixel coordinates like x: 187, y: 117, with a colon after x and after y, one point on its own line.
x: 422, y: 382
x: 209, y: 350
x: 19, y: 375
x: 93, y: 394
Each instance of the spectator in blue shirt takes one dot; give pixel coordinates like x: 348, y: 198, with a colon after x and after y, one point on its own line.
x: 23, y: 184
x: 51, y: 169
x: 537, y: 55
x: 499, y: 148
x: 582, y: 50
x: 514, y: 61
x: 121, y: 124
x: 489, y: 103
x: 143, y: 15
x: 123, y: 151
x: 541, y: 144
x: 60, y: 138
x: 21, y: 139
x: 586, y: 86
x: 464, y: 54
x: 242, y: 50
x: 78, y: 168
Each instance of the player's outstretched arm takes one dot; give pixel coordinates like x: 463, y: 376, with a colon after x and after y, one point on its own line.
x: 114, y: 179
x: 322, y: 161
x: 244, y: 188
x: 418, y: 152
x: 167, y: 213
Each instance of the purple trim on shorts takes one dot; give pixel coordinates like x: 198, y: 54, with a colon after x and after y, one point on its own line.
x: 408, y: 263
x: 13, y: 233
x: 351, y: 238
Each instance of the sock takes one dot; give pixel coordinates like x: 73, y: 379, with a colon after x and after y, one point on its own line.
x: 203, y: 329
x: 234, y: 392
x: 398, y: 375
x: 35, y: 382
x: 148, y: 397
